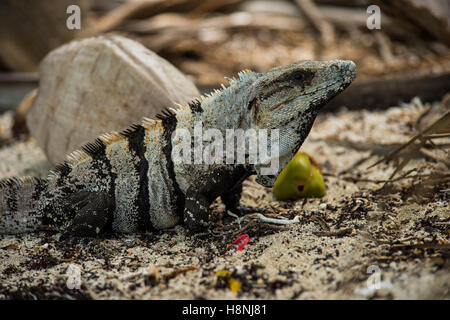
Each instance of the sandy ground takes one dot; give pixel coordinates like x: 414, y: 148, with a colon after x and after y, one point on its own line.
x: 357, y: 242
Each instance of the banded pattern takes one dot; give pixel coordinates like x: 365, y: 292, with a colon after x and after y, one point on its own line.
x: 19, y: 199
x: 134, y: 167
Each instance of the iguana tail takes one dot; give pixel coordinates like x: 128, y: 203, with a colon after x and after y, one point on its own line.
x: 19, y: 202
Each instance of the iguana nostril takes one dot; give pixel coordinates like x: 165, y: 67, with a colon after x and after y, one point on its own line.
x: 336, y: 68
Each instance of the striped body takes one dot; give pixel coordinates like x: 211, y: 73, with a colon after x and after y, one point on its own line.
x: 131, y: 166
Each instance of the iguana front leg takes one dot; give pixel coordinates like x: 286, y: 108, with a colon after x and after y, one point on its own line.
x: 93, y: 212
x: 232, y: 198
x: 196, y: 211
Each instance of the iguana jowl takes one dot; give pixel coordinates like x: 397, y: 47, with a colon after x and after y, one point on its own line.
x: 127, y: 181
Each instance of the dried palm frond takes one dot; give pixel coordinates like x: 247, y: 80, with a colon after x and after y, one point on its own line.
x: 425, y: 143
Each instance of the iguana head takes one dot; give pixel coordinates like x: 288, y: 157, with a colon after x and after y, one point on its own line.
x: 288, y: 98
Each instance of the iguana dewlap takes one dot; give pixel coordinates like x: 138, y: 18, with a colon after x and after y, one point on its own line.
x: 128, y: 182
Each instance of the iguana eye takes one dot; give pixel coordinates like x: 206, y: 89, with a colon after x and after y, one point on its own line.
x: 301, y: 77
x: 300, y: 188
x: 298, y: 76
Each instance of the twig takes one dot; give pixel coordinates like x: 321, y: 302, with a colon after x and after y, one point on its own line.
x: 335, y: 233
x: 435, y: 125
x: 210, y: 6
x: 278, y: 221
x: 404, y: 176
x: 434, y: 156
x: 384, y: 45
x: 132, y: 9
x: 239, y: 219
x: 321, y: 222
x: 437, y: 135
x: 176, y: 272
x: 317, y: 20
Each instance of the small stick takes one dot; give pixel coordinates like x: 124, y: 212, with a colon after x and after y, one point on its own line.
x: 437, y: 135
x: 239, y: 219
x: 278, y: 221
x: 335, y: 233
x: 317, y: 20
x: 384, y: 45
x: 434, y: 156
x: 176, y: 272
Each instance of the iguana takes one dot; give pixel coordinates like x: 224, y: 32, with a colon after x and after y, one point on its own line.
x: 127, y: 182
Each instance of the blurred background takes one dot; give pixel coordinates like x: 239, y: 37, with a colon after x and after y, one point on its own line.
x: 210, y: 39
